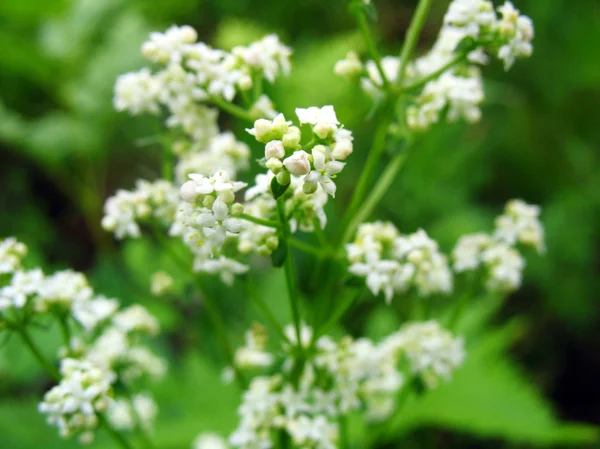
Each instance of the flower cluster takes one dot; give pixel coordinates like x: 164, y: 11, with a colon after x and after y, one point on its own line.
x: 149, y: 201
x: 471, y: 28
x: 105, y: 344
x: 495, y: 254
x: 343, y: 376
x: 393, y: 263
x: 83, y: 391
x: 140, y: 412
x: 329, y: 145
x: 192, y: 74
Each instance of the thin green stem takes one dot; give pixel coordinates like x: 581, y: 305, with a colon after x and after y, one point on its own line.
x: 116, y: 436
x: 368, y: 172
x: 344, y: 437
x: 341, y: 308
x: 308, y: 248
x: 288, y: 267
x: 412, y: 36
x: 260, y: 221
x: 377, y: 192
x: 232, y: 109
x: 420, y: 83
x: 167, y: 163
x: 221, y: 330
x: 142, y: 433
x: 64, y: 329
x: 255, y: 296
x: 47, y: 366
x: 366, y: 32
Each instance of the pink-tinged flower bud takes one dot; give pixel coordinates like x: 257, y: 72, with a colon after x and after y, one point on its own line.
x: 298, y: 163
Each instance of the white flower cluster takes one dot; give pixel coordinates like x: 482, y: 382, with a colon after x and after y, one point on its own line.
x: 209, y: 440
x: 458, y: 89
x: 191, y: 73
x: 205, y: 221
x: 149, y: 201
x: 12, y: 253
x: 496, y: 254
x: 393, y: 263
x: 140, y: 411
x: 343, y: 377
x: 105, y: 346
x: 254, y: 353
x: 329, y: 145
x: 223, y: 152
x: 73, y: 404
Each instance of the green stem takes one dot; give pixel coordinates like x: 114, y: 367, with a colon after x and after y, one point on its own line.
x: 370, y: 167
x: 255, y: 296
x: 344, y: 437
x: 47, y: 366
x: 142, y: 433
x: 412, y: 36
x: 220, y: 329
x: 307, y: 247
x: 342, y: 307
x: 420, y: 83
x: 377, y: 192
x: 167, y: 163
x: 116, y: 436
x: 64, y: 329
x: 232, y: 109
x: 366, y: 32
x: 289, y: 273
x: 259, y: 221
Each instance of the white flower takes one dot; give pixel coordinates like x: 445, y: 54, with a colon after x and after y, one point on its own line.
x: 136, y: 318
x: 467, y: 252
x: 518, y: 30
x: 63, y: 289
x: 505, y: 266
x: 90, y: 313
x: 73, y: 404
x: 323, y: 119
x: 349, y: 67
x: 209, y: 440
x: 470, y: 15
x: 520, y: 223
x: 226, y: 268
x: 298, y: 163
x: 170, y: 45
x: 11, y: 254
x: 22, y: 286
x: 137, y: 92
x: 161, y: 283
x: 373, y: 83
x: 323, y: 172
x: 268, y: 55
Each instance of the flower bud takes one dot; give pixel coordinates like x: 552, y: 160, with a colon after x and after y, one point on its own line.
x: 322, y: 130
x: 188, y: 192
x: 280, y: 125
x: 283, y: 177
x: 188, y: 34
x: 274, y: 149
x: 309, y: 188
x: 291, y: 139
x: 272, y: 243
x: 245, y: 82
x: 227, y: 196
x: 208, y: 201
x: 262, y: 129
x: 342, y: 149
x: 237, y: 209
x: 275, y: 165
x: 298, y: 163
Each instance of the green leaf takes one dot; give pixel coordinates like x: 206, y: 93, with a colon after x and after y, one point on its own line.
x: 279, y: 255
x: 278, y: 189
x: 491, y: 398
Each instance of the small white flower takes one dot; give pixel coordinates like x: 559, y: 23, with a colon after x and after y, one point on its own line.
x: 323, y: 171
x: 298, y: 163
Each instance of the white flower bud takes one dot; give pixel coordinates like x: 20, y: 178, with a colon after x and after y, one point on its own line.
x: 342, y: 149
x: 262, y: 128
x: 237, y: 209
x: 188, y: 192
x: 188, y: 34
x: 322, y: 130
x: 227, y: 196
x: 309, y: 188
x: 275, y: 165
x: 291, y: 139
x: 245, y: 82
x: 274, y: 149
x: 208, y: 201
x: 298, y: 163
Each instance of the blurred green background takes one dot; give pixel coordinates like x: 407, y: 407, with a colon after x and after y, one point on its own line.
x: 63, y: 150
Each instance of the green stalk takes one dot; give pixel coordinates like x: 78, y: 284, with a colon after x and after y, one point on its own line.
x: 368, y: 172
x: 47, y: 366
x: 289, y: 273
x: 377, y: 192
x: 254, y: 295
x: 307, y: 248
x: 259, y: 221
x: 412, y: 36
x: 116, y: 436
x: 341, y: 308
x: 420, y: 83
x: 366, y: 32
x: 232, y: 109
x: 344, y: 437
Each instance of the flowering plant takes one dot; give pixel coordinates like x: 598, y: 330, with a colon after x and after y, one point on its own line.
x: 301, y: 390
